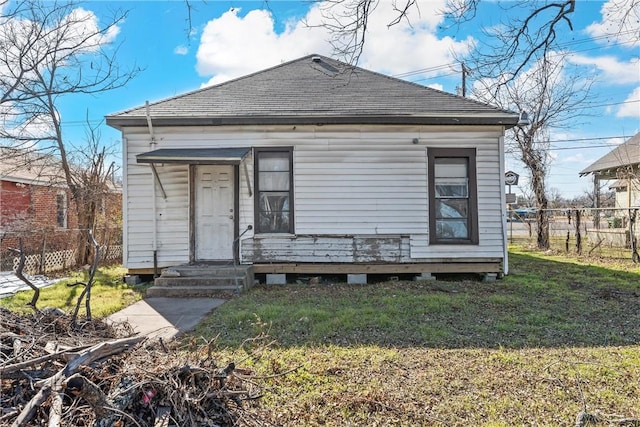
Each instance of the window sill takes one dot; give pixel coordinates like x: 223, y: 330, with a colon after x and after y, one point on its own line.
x: 454, y: 242
x: 273, y: 235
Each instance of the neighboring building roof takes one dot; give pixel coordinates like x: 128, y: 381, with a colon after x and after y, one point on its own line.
x: 625, y: 154
x: 315, y: 90
x: 37, y: 168
x: 30, y: 167
x: 618, y: 184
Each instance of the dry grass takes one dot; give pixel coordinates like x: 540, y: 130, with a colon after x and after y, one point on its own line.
x: 557, y: 337
x: 109, y: 294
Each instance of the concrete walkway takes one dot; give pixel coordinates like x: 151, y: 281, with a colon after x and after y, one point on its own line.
x: 10, y: 284
x: 166, y: 318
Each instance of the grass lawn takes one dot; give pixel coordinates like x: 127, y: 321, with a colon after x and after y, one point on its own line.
x: 108, y: 294
x: 555, y: 337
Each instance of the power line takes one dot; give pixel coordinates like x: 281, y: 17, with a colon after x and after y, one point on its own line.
x: 578, y: 147
x: 589, y: 139
x: 561, y: 45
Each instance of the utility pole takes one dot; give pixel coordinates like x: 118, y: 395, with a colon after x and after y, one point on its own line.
x: 464, y: 80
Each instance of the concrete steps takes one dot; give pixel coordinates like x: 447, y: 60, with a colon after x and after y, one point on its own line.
x: 202, y: 280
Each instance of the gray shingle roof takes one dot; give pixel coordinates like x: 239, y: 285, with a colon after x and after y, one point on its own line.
x: 626, y: 154
x: 315, y: 90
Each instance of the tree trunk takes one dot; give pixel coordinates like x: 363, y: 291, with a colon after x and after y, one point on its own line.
x: 542, y: 203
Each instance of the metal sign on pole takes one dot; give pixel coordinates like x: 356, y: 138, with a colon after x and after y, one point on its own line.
x: 511, y: 178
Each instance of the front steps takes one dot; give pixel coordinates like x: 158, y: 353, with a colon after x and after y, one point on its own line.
x: 202, y: 280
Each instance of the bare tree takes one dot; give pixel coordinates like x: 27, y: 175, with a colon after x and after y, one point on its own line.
x: 530, y: 30
x: 554, y: 97
x: 50, y: 51
x: 93, y: 176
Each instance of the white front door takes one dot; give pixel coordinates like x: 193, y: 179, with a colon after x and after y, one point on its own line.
x: 214, y: 216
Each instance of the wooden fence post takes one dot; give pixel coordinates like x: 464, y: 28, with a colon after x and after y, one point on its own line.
x: 43, y: 254
x: 578, y: 235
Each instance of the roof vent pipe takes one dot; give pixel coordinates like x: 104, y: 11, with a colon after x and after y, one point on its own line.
x: 316, y: 59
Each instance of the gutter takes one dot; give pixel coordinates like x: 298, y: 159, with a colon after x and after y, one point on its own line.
x: 508, y: 121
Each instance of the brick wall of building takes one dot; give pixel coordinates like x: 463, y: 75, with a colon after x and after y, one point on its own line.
x: 45, y: 217
x: 15, y: 201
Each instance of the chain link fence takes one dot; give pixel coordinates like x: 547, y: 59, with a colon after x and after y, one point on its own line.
x: 603, y: 232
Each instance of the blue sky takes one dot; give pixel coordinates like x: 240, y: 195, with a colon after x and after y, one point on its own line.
x: 234, y: 38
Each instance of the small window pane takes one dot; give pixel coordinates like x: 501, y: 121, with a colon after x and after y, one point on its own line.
x: 274, y: 202
x: 452, y: 228
x: 450, y: 168
x: 274, y: 181
x: 274, y: 222
x: 274, y: 162
x: 452, y: 187
x: 452, y: 209
x: 274, y: 212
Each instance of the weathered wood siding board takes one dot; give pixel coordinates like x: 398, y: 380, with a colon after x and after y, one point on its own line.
x: 326, y: 249
x: 376, y: 249
x: 348, y: 180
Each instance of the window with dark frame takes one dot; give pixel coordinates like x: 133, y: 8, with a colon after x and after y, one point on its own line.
x: 274, y: 190
x: 453, y: 208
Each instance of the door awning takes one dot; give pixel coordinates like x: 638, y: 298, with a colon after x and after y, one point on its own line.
x: 195, y: 156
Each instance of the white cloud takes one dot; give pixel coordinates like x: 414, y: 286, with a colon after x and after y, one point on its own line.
x: 620, y: 23
x: 576, y: 159
x: 631, y: 108
x: 411, y: 44
x: 615, y: 141
x: 231, y: 46
x: 234, y: 45
x: 181, y: 50
x: 615, y: 71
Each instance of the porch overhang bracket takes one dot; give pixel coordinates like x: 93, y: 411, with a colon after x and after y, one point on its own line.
x: 157, y: 177
x: 246, y: 176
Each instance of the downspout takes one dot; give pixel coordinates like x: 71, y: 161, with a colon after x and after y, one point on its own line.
x: 503, y: 208
x: 154, y: 233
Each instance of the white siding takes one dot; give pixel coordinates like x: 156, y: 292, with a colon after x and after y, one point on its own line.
x: 351, y: 183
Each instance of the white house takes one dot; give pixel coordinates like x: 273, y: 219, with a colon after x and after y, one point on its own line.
x: 314, y: 166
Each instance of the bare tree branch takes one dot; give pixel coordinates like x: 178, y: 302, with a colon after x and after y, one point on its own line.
x: 528, y: 33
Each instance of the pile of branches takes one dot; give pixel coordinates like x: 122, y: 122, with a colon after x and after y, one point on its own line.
x: 56, y: 372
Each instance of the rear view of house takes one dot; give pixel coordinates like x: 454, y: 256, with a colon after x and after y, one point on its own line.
x: 315, y: 167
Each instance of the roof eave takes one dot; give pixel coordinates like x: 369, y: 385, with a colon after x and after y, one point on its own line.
x: 609, y: 172
x: 506, y: 120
